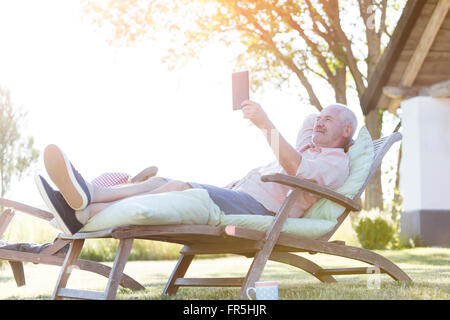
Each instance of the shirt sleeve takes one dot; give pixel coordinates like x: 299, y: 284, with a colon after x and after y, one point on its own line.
x: 305, y: 133
x: 329, y: 170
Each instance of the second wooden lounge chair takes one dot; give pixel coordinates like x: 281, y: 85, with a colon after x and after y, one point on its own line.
x: 51, y: 253
x: 261, y: 246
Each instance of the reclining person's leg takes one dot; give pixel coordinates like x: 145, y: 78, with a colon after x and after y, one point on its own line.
x: 103, y: 194
x: 91, y: 210
x: 78, y: 200
x: 233, y: 202
x: 172, y: 185
x: 78, y: 192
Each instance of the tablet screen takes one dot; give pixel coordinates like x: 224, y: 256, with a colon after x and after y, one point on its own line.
x: 240, y: 88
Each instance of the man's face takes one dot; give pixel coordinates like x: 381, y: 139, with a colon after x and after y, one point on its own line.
x: 328, y: 129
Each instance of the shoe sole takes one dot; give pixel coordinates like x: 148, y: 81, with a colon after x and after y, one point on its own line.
x: 49, y: 204
x: 60, y: 171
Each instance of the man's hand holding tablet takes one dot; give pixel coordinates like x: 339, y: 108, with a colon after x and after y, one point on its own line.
x: 255, y: 113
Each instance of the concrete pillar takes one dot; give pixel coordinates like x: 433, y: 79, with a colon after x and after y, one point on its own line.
x: 425, y: 170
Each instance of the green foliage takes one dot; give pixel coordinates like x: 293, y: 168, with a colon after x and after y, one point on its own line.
x: 16, y: 153
x: 374, y: 232
x: 105, y: 250
x: 409, y: 243
x: 381, y: 229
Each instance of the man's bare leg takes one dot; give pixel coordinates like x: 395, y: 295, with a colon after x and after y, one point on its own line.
x: 102, y: 195
x: 95, y: 208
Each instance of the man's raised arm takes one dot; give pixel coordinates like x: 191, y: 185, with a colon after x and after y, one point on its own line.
x: 288, y: 157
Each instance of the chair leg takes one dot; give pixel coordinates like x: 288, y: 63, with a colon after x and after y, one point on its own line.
x: 19, y: 275
x: 268, y: 243
x: 91, y: 266
x: 66, y: 270
x: 254, y: 273
x: 123, y: 252
x: 116, y: 275
x: 178, y: 272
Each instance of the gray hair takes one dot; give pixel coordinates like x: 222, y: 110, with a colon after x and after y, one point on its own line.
x: 347, y: 117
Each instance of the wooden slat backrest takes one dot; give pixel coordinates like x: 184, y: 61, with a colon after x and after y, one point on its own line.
x: 381, y: 147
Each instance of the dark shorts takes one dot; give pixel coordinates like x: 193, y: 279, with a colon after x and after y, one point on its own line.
x: 232, y: 201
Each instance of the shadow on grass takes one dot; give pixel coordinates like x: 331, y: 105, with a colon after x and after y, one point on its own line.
x: 307, y: 291
x: 361, y: 291
x: 351, y: 289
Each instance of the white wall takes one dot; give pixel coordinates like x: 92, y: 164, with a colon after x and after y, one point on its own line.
x: 425, y: 167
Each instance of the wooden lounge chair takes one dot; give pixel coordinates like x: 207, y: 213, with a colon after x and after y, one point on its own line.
x: 51, y: 253
x: 261, y: 246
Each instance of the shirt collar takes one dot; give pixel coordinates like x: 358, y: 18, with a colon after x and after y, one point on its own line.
x: 313, y: 148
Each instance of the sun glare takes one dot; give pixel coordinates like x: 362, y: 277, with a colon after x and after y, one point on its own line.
x: 120, y: 109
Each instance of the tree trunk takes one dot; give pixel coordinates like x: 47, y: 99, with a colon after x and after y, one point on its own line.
x: 340, y: 87
x: 374, y: 191
x: 397, y: 200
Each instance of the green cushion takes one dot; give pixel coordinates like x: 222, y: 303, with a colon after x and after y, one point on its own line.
x: 192, y: 206
x: 361, y: 157
x: 306, y: 228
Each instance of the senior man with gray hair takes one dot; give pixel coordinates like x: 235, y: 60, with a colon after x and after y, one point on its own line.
x: 319, y: 156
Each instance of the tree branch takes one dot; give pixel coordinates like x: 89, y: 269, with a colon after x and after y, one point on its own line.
x: 314, y: 46
x: 382, y: 30
x: 267, y: 38
x: 333, y: 13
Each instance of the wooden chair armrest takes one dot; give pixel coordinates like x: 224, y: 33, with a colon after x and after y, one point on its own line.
x: 314, y: 188
x: 38, y: 213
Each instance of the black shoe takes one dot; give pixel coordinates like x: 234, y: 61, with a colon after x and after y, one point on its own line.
x: 63, y: 213
x: 69, y: 182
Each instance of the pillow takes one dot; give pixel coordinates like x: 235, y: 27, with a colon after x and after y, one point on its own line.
x: 192, y: 206
x: 109, y: 179
x: 361, y: 155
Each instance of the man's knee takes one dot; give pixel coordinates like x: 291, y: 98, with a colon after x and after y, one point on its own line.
x: 177, y: 185
x: 158, y: 180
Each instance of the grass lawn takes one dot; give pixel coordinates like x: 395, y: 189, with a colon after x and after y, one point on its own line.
x: 428, y: 267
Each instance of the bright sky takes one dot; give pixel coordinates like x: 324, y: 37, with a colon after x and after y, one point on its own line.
x: 121, y: 110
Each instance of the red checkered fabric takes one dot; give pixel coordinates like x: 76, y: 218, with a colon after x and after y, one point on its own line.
x: 110, y: 179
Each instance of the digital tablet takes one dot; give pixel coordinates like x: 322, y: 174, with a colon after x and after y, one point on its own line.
x: 240, y: 87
